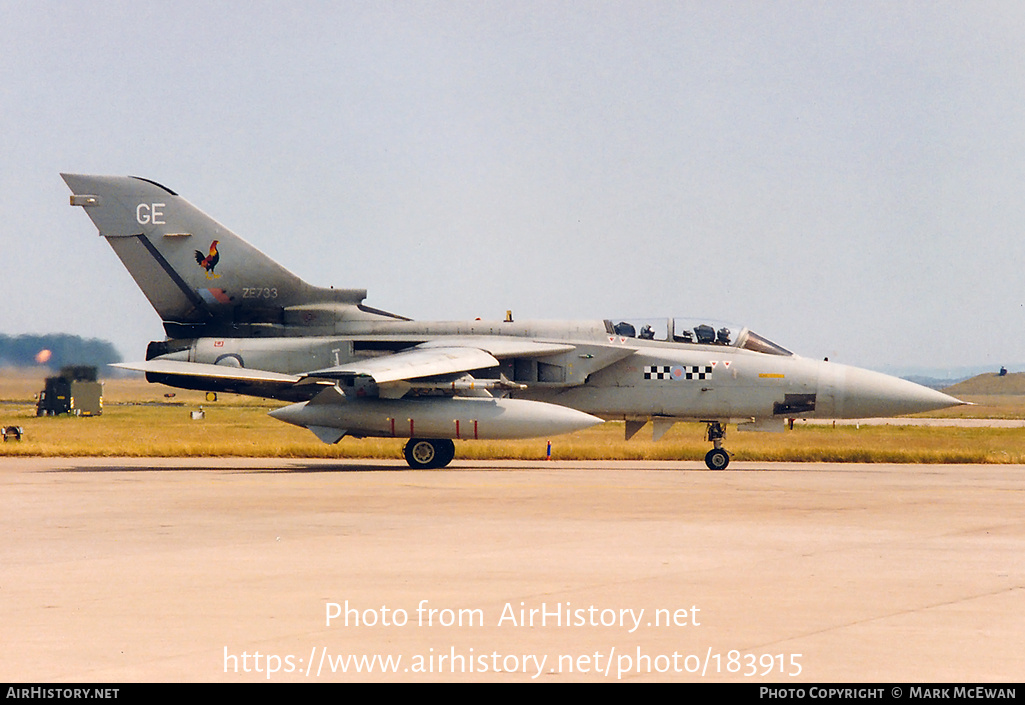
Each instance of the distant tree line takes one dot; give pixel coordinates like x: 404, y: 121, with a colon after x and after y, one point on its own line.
x: 27, y: 351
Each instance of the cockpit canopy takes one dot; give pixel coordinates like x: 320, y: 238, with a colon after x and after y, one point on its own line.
x: 693, y: 331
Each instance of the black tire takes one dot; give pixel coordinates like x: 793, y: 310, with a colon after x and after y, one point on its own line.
x: 446, y: 451
x: 427, y: 454
x: 717, y: 459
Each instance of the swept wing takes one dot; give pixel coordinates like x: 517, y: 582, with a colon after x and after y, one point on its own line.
x: 400, y: 371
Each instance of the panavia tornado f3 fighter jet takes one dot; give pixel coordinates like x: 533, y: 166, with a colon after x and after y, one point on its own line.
x: 236, y: 321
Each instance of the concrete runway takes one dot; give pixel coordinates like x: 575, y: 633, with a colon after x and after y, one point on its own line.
x: 226, y: 570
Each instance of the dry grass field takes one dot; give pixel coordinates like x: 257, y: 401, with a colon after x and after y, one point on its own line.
x: 138, y: 420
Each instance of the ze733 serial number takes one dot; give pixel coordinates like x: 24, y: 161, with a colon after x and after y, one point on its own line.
x: 259, y: 292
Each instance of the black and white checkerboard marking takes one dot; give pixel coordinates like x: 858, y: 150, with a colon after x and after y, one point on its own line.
x: 675, y: 372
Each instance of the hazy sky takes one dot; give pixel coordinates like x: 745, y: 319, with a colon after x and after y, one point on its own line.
x: 846, y: 178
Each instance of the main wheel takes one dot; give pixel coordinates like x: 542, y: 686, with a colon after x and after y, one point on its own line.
x: 717, y: 459
x: 425, y: 454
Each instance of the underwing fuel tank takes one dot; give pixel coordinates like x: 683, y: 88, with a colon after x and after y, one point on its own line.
x: 331, y: 415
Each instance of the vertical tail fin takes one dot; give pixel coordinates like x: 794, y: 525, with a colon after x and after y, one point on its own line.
x: 197, y: 274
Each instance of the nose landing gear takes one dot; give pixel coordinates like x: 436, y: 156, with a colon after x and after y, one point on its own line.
x: 717, y: 458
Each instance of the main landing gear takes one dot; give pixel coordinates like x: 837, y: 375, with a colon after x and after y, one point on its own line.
x: 433, y: 453
x: 429, y: 453
x: 717, y: 458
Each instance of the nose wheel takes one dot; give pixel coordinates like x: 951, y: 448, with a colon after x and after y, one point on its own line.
x: 717, y: 458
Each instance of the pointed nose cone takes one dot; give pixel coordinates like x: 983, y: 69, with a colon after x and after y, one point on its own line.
x: 864, y: 394
x: 293, y: 414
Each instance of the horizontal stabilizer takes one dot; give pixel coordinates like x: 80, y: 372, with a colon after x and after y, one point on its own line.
x: 199, y: 369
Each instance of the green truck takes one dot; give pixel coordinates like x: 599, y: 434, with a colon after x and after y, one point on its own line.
x: 74, y: 391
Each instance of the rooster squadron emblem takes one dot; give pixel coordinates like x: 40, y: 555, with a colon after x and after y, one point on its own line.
x: 208, y: 262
